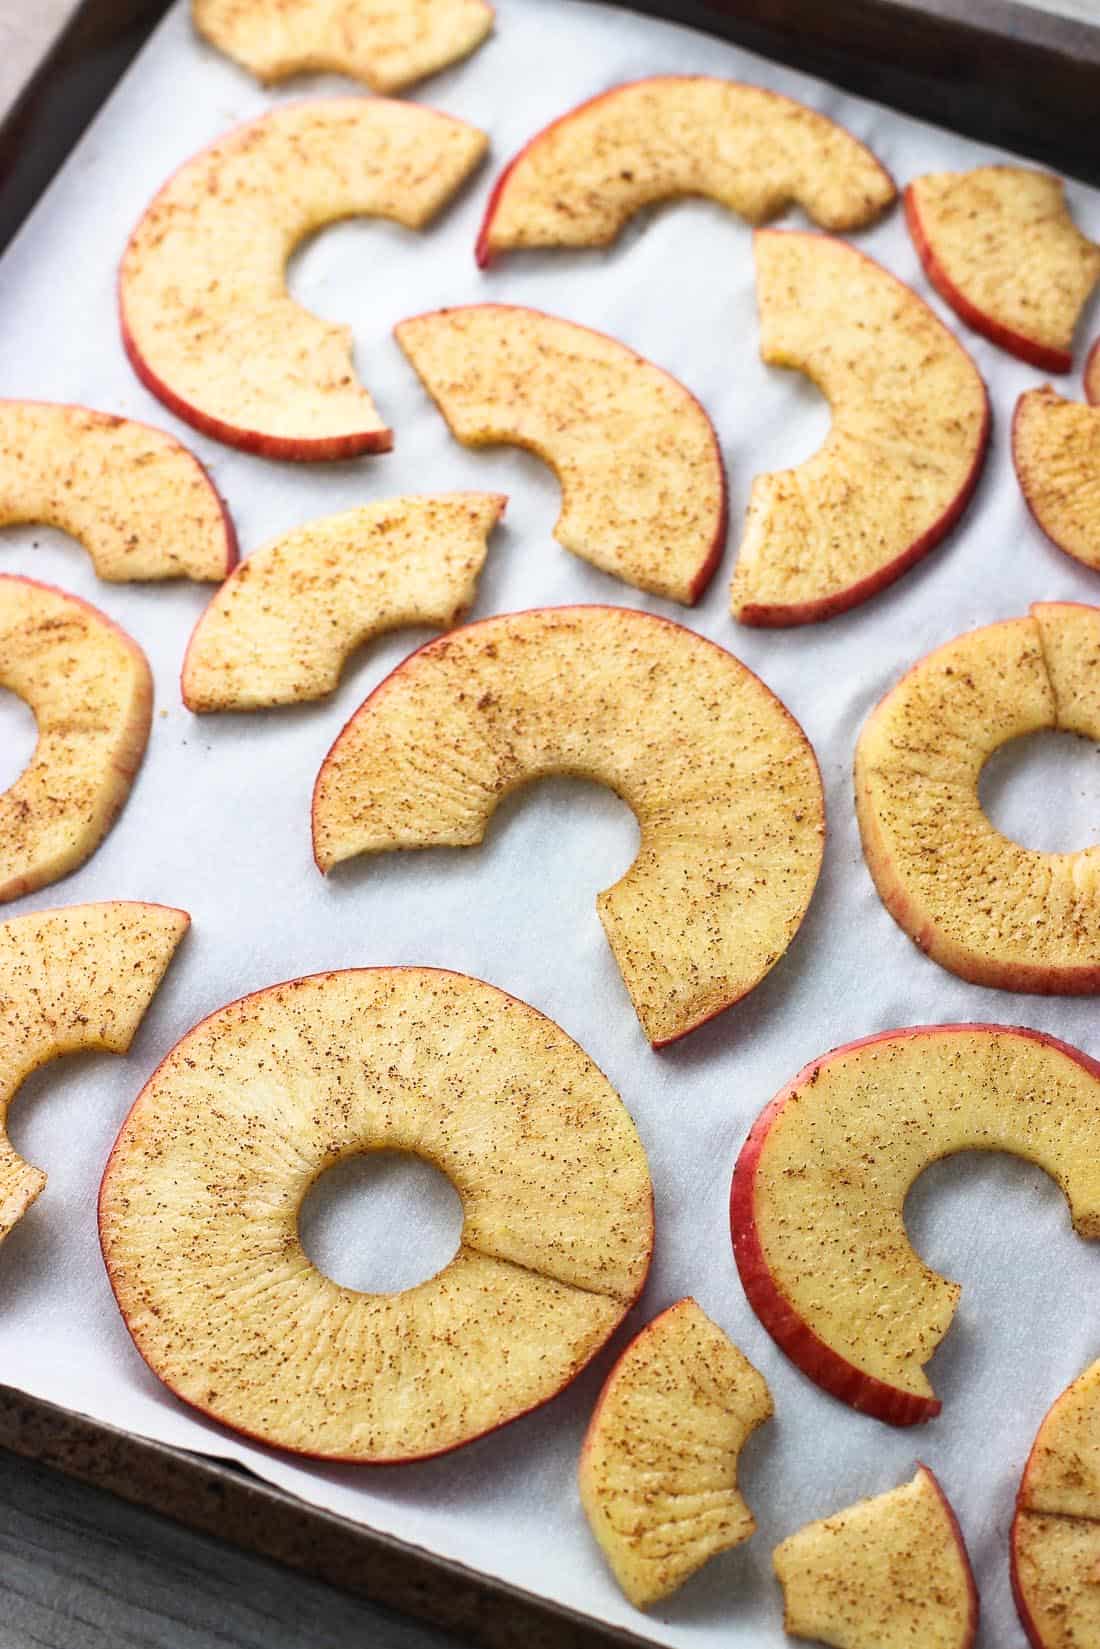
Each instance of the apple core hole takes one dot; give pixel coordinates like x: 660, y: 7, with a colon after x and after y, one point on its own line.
x: 18, y: 737
x: 1043, y: 791
x: 381, y: 1221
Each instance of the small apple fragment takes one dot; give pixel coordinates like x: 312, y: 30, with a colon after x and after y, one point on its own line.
x: 199, y: 1204
x: 140, y: 503
x: 389, y: 47
x: 1000, y: 246
x: 80, y: 977
x: 1056, y: 451
x: 979, y: 904
x: 816, y: 1204
x: 901, y: 460
x: 578, y: 181
x: 279, y: 630
x: 207, y: 320
x: 887, y: 1573
x: 1092, y: 375
x: 719, y: 774
x: 642, y: 480
x: 658, y: 1468
x: 89, y: 686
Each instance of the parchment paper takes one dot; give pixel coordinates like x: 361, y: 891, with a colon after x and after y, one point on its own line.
x: 218, y: 822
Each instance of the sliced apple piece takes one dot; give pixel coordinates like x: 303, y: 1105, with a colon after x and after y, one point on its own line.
x: 199, y: 1213
x: 207, y: 321
x: 983, y: 906
x: 76, y: 978
x: 908, y: 438
x: 642, y: 480
x: 1056, y: 451
x: 721, y: 778
x: 1092, y: 375
x: 887, y: 1573
x: 658, y: 1469
x: 140, y: 503
x: 999, y: 245
x: 280, y: 629
x: 91, y: 692
x: 388, y: 46
x: 579, y: 180
x: 820, y: 1185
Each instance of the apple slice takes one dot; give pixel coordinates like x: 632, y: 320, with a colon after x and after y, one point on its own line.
x: 820, y: 1186
x: 1056, y: 451
x: 1055, y: 1541
x: 999, y: 245
x: 909, y: 433
x: 1092, y: 375
x: 721, y: 777
x: 280, y: 629
x: 888, y: 1573
x: 199, y: 1205
x: 981, y: 905
x: 140, y: 503
x: 207, y: 321
x: 73, y: 979
x: 658, y: 1469
x: 388, y: 46
x: 89, y: 686
x: 643, y: 486
x: 579, y: 180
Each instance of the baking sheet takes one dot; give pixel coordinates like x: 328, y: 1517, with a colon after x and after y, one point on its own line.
x: 218, y: 822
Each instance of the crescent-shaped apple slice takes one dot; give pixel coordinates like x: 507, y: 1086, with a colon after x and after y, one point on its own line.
x: 1092, y: 375
x: 999, y: 245
x: 207, y: 321
x: 140, y: 503
x: 721, y: 778
x: 816, y: 1207
x: 642, y: 481
x: 892, y: 1572
x: 76, y: 978
x: 658, y: 1468
x: 280, y: 629
x: 89, y: 686
x: 388, y: 46
x: 1055, y: 1542
x: 909, y: 433
x: 1056, y: 451
x: 580, y: 179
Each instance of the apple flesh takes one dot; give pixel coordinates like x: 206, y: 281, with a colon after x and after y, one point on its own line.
x: 816, y: 1205
x: 720, y: 776
x: 199, y: 1204
x: 1056, y: 451
x: 901, y: 460
x: 658, y: 1469
x: 207, y: 321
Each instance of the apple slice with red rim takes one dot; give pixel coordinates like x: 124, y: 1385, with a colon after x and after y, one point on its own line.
x: 1000, y: 246
x: 207, y: 320
x: 1092, y: 375
x: 816, y: 1205
x: 1056, y: 451
x: 908, y: 438
x: 578, y: 181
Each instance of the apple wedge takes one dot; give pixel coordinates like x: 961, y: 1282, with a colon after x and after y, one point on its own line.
x: 887, y: 1573
x: 983, y: 906
x: 1055, y: 1542
x: 207, y: 320
x: 198, y: 1213
x: 642, y: 481
x: 901, y: 460
x: 390, y: 47
x: 719, y: 774
x: 816, y: 1206
x: 139, y: 502
x: 1092, y: 375
x: 279, y: 630
x: 1056, y: 451
x: 658, y: 1469
x: 999, y: 245
x: 91, y: 692
x: 74, y: 979
x: 579, y: 180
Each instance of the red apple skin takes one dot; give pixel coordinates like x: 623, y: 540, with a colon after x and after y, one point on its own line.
x: 817, y: 1360
x: 1092, y: 374
x: 1025, y: 349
